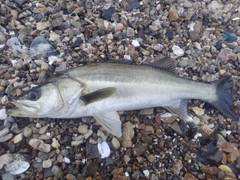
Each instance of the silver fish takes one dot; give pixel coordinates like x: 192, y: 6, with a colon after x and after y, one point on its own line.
x: 102, y: 89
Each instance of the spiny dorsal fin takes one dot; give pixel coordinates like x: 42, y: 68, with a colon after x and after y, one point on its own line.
x: 165, y: 63
x: 98, y: 95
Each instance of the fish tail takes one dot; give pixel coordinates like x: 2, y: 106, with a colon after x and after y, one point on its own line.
x: 224, y: 97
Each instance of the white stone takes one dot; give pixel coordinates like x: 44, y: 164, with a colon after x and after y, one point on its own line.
x: 135, y: 43
x: 146, y: 172
x: 177, y: 50
x: 3, y: 114
x: 17, y: 167
x: 66, y: 160
x: 103, y: 149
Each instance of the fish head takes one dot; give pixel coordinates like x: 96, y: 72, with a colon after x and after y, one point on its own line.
x: 56, y: 98
x: 37, y: 102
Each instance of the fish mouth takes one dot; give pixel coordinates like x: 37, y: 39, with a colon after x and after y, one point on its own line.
x: 21, y: 109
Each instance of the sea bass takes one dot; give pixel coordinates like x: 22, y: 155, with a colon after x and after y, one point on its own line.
x: 102, y: 89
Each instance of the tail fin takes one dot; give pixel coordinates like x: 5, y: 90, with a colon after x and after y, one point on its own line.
x: 224, y: 102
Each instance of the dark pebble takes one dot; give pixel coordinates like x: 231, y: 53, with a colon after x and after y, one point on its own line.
x: 101, y: 32
x: 48, y: 172
x: 217, y: 156
x: 205, y: 20
x: 92, y: 150
x: 107, y: 13
x: 133, y: 5
x: 20, y: 2
x: 218, y: 45
x: 38, y: 17
x: 90, y: 169
x: 169, y: 34
x: 77, y: 42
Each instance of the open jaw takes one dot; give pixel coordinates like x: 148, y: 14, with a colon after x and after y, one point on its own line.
x: 21, y: 109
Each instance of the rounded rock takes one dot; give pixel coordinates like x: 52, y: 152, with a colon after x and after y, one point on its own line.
x: 83, y: 129
x: 27, y: 132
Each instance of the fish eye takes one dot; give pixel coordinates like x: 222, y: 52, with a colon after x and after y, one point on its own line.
x: 34, y: 95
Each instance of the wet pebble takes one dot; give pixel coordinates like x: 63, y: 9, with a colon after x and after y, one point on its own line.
x: 107, y: 13
x: 18, y: 138
x: 6, y: 137
x: 5, y: 159
x: 127, y: 135
x: 133, y: 5
x: 115, y: 143
x: 47, y: 163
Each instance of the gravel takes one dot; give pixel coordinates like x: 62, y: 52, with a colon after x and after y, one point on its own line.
x: 40, y: 38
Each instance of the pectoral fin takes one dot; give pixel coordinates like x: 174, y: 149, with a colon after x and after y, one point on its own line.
x: 180, y: 108
x: 110, y: 121
x: 98, y: 95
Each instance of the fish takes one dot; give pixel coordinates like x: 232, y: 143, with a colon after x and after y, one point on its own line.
x: 102, y: 89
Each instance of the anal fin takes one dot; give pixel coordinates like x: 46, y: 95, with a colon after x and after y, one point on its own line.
x: 180, y: 108
x: 110, y: 121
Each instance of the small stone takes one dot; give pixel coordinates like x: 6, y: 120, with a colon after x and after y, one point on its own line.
x: 70, y: 177
x: 60, y: 158
x: 215, y: 7
x: 88, y: 134
x: 169, y: 34
x: 198, y: 111
x: 232, y: 157
x: 224, y: 168
x: 140, y: 149
x: 177, y: 50
x: 57, y: 171
x: 18, y: 138
x: 146, y: 172
x: 127, y: 135
x: 155, y: 26
x: 83, y: 129
x: 103, y: 149
x: 77, y: 42
x: 55, y: 144
x: 17, y: 167
x: 107, y: 13
x: 27, y: 132
x: 20, y: 2
x: 149, y: 129
x: 183, y: 63
x: 151, y: 158
x: 4, y: 131
x: 177, y: 167
x: 119, y: 27
x: 66, y: 160
x: 147, y: 111
x: 133, y: 5
x: 5, y: 159
x: 135, y: 43
x: 57, y: 22
x: 6, y: 137
x: 40, y: 145
x: 41, y: 46
x: 76, y: 143
x: 47, y: 163
x: 126, y: 158
x: 43, y: 129
x: 189, y: 176
x: 43, y: 25
x: 115, y: 142
x: 226, y: 55
x: 172, y: 14
x: 130, y: 32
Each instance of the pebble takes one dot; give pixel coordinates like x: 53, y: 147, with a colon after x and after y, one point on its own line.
x: 172, y: 14
x: 135, y: 43
x: 226, y: 55
x: 103, y: 149
x: 41, y: 46
x: 55, y: 144
x: 151, y: 158
x: 133, y: 5
x: 43, y: 129
x: 83, y: 129
x: 115, y: 143
x: 146, y: 172
x: 4, y: 131
x: 88, y: 134
x: 147, y: 111
x: 127, y: 135
x: 198, y: 111
x: 130, y: 32
x: 126, y: 158
x: 177, y: 50
x: 76, y: 143
x: 27, y: 132
x: 6, y: 137
x: 17, y: 167
x: 43, y: 25
x: 66, y: 160
x: 233, y: 156
x: 47, y: 163
x: 5, y: 159
x: 177, y: 167
x: 56, y: 170
x: 40, y: 145
x: 107, y: 13
x: 77, y: 42
x: 18, y: 138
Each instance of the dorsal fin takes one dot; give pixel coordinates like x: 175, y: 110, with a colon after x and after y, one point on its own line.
x: 165, y: 63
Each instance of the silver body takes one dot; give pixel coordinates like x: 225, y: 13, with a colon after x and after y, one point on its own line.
x: 137, y: 87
